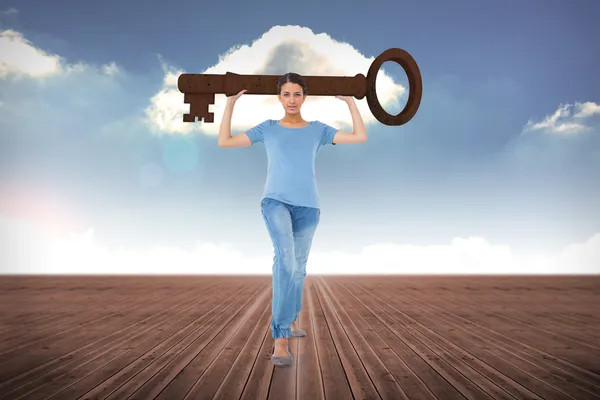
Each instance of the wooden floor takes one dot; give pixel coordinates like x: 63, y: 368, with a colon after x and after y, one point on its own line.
x: 392, y: 337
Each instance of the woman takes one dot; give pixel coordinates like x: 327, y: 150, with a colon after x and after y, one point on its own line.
x: 290, y: 204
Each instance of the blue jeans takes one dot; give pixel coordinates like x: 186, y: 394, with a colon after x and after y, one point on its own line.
x: 291, y: 229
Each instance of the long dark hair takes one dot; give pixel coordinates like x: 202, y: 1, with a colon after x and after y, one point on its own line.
x: 292, y: 77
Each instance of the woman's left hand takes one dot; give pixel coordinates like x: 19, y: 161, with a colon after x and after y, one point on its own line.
x: 344, y: 98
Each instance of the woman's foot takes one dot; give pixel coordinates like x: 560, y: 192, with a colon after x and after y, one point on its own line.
x: 281, y: 356
x: 281, y: 348
x: 297, y: 332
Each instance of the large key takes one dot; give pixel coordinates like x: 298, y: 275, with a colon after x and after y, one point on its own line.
x: 200, y: 89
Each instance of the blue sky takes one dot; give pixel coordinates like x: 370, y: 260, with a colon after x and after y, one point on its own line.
x: 499, y: 170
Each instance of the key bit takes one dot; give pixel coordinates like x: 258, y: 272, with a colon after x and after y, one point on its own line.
x: 199, y: 104
x: 200, y: 89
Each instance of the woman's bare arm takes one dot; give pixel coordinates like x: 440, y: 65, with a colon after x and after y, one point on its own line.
x: 359, y: 133
x: 225, y: 138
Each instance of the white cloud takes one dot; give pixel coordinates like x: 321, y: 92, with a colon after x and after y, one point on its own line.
x: 587, y: 109
x: 18, y: 56
x: 21, y: 58
x: 282, y: 49
x: 568, y: 119
x: 31, y: 250
x: 166, y: 109
x: 110, y: 68
x: 585, y: 255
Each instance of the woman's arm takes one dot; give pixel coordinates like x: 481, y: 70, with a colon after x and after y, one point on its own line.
x: 359, y: 132
x: 225, y: 138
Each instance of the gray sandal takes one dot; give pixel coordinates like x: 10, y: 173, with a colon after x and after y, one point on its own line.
x: 283, y: 361
x: 298, y: 332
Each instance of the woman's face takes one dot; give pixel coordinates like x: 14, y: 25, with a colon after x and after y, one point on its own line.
x: 291, y: 97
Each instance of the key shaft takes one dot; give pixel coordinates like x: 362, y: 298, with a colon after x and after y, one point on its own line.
x: 231, y: 84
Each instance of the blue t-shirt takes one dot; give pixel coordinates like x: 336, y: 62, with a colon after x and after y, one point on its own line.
x: 291, y: 154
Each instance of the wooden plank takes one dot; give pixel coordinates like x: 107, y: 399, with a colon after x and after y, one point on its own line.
x: 462, y: 361
x: 237, y: 377
x: 478, y: 343
x: 545, y: 368
x: 83, y: 339
x: 119, y: 350
x: 406, y: 378
x: 158, y: 375
x: 122, y: 371
x: 259, y: 381
x: 66, y: 325
x: 414, y: 374
x: 207, y: 370
x: 464, y: 379
x: 541, y: 307
x: 368, y: 376
x: 309, y: 383
x: 585, y: 345
x: 146, y: 336
x: 57, y: 299
x: 79, y: 381
x: 283, y: 380
x: 146, y: 355
x: 438, y: 333
x: 335, y: 382
x: 554, y: 366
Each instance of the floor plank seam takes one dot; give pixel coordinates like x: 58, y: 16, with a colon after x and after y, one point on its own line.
x: 391, y: 349
x: 259, y: 298
x: 441, y: 356
x: 507, y: 339
x: 503, y: 348
x: 331, y: 295
x: 312, y: 317
x: 334, y: 345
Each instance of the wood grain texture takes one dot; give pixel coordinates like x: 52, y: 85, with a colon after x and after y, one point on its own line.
x: 369, y: 337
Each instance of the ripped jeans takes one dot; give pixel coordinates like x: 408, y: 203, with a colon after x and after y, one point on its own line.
x: 291, y: 229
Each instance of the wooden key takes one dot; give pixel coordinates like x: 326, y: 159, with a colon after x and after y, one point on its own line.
x: 199, y: 89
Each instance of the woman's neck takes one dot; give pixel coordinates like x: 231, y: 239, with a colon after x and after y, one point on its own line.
x: 292, y: 119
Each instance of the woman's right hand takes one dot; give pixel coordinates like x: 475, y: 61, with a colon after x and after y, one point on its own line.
x: 237, y: 96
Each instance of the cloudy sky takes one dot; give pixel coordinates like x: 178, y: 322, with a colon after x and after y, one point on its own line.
x: 499, y: 171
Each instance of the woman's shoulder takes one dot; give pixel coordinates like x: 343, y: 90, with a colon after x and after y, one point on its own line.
x: 316, y: 124
x: 265, y: 125
x: 270, y: 123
